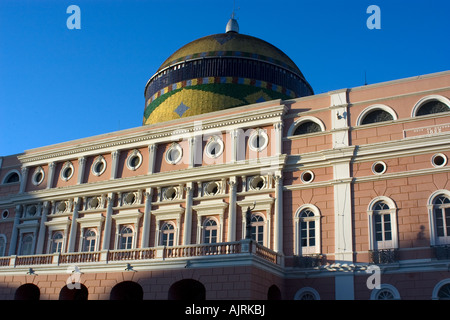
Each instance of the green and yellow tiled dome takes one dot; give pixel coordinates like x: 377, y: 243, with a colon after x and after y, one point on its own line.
x: 218, y: 72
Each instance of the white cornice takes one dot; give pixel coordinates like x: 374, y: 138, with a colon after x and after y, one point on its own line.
x: 146, y: 135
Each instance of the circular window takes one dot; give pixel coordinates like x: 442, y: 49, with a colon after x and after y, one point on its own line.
x: 258, y: 140
x: 67, y: 171
x: 214, y: 147
x: 379, y: 167
x: 134, y: 160
x: 38, y: 176
x: 5, y: 214
x: 307, y: 176
x: 439, y: 160
x: 99, y: 166
x: 130, y: 198
x: 170, y: 193
x: 174, y: 153
x: 31, y: 210
x: 93, y: 203
x: 257, y: 183
x: 61, y: 207
x: 212, y: 188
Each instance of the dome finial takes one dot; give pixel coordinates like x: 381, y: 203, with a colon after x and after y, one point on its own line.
x: 232, y: 25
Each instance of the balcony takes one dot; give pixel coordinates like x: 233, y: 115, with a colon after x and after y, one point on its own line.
x: 202, y: 251
x: 309, y: 261
x: 383, y: 256
x: 442, y: 252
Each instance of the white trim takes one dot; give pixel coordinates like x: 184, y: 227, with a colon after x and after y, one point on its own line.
x: 439, y: 155
x: 301, y: 120
x: 67, y: 165
x: 297, y: 231
x: 434, y: 295
x: 431, y: 217
x: 173, y: 146
x: 375, y: 164
x: 10, y: 172
x: 374, y: 107
x: 426, y: 99
x: 393, y: 212
x: 214, y: 139
x: 99, y: 159
x: 35, y: 173
x: 304, y: 290
x: 133, y: 154
x: 251, y: 139
x: 305, y: 172
x: 391, y: 288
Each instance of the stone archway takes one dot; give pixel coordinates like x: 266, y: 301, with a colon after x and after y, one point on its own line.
x: 187, y: 289
x: 127, y: 290
x: 27, y: 291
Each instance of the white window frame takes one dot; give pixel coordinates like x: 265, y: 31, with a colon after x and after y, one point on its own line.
x: 298, y: 234
x: 127, y: 236
x: 164, y: 231
x: 208, y: 228
x: 374, y: 107
x: 426, y: 99
x: 301, y: 120
x: 434, y: 238
x: 392, y: 211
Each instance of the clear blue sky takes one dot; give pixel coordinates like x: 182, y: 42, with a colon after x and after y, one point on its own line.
x: 58, y: 84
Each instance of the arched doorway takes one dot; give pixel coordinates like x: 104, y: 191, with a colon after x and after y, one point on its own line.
x: 127, y: 290
x: 79, y: 294
x: 187, y: 289
x: 27, y: 291
x: 274, y: 293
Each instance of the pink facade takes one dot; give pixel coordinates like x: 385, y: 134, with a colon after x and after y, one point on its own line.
x: 340, y: 182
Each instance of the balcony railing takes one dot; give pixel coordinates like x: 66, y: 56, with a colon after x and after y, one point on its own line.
x: 442, y: 252
x: 309, y: 261
x: 144, y: 254
x: 383, y: 256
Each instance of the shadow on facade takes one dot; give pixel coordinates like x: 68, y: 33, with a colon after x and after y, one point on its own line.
x: 187, y: 290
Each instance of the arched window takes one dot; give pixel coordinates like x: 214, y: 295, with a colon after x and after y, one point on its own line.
x: 307, y: 221
x: 2, y: 245
x: 11, y: 177
x: 307, y: 294
x: 210, y: 231
x: 57, y: 242
x: 258, y: 223
x: 127, y: 290
x: 442, y: 290
x: 167, y: 235
x: 382, y: 224
x: 26, y: 247
x: 306, y: 125
x: 126, y: 238
x: 90, y: 238
x: 376, y: 113
x: 377, y: 116
x: 385, y: 292
x: 431, y: 105
x: 439, y: 213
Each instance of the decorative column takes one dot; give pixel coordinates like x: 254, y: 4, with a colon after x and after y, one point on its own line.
x: 234, y: 134
x: 73, y: 226
x: 278, y: 147
x: 231, y: 232
x: 51, y: 174
x: 278, y: 234
x: 108, y: 222
x: 13, y: 245
x: 192, y: 151
x: 81, y: 168
x: 147, y: 218
x: 151, y: 158
x: 188, y: 214
x: 42, y: 229
x: 115, y: 163
x: 23, y: 182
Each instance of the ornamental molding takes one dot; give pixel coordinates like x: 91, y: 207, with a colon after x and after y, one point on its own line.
x: 246, y: 116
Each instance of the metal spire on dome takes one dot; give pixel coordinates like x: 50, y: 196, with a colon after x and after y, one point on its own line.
x: 232, y: 25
